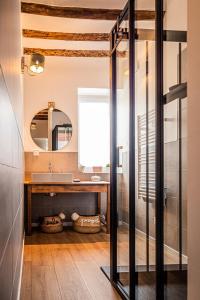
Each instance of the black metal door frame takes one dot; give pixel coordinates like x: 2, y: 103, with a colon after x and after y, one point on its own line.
x: 159, y: 154
x: 117, y: 34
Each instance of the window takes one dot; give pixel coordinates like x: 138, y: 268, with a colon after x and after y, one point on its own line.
x: 94, y: 128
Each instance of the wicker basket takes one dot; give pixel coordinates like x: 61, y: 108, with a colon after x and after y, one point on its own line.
x: 87, y: 224
x: 52, y: 225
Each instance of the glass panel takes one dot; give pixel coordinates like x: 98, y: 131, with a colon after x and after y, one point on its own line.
x: 175, y: 139
x: 175, y: 163
x: 123, y: 161
x: 145, y: 154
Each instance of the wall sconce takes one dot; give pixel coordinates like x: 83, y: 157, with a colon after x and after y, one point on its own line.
x: 36, y: 65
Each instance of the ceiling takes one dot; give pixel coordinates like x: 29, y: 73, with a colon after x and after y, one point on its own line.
x: 84, y: 3
x: 119, y: 4
x: 69, y: 25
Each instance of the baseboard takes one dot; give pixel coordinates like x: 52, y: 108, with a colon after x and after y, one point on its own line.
x: 173, y: 251
x: 21, y: 269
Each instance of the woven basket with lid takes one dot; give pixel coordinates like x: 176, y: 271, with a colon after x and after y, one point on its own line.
x: 52, y: 225
x: 87, y: 224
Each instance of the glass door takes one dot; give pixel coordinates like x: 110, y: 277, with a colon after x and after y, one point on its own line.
x: 122, y: 147
x: 148, y: 152
x: 145, y: 153
x: 175, y: 148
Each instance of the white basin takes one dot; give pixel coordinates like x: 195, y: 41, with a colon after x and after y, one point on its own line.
x: 52, y: 177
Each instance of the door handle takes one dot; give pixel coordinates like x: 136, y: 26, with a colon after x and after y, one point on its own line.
x: 119, y: 157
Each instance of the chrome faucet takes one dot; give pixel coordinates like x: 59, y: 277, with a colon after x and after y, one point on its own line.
x: 50, y: 168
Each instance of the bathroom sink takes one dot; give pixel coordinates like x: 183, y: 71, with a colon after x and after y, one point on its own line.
x: 52, y: 177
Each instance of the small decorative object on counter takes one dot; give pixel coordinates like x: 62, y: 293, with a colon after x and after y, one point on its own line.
x: 95, y: 178
x: 86, y: 224
x: 76, y: 180
x: 53, y: 224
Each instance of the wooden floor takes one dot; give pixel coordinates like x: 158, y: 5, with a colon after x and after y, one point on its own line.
x: 170, y: 256
x: 66, y: 266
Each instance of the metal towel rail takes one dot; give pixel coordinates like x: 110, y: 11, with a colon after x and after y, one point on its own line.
x: 143, y: 159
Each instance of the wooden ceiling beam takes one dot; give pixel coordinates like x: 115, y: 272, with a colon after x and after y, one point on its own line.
x: 80, y: 12
x: 98, y: 37
x: 67, y: 53
x: 141, y: 34
x: 71, y: 53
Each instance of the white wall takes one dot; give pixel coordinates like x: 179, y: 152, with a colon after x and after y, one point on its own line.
x: 10, y: 55
x: 11, y: 150
x: 176, y: 14
x: 60, y: 83
x: 173, y: 21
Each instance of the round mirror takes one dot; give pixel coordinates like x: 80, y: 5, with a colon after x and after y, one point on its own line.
x: 51, y: 129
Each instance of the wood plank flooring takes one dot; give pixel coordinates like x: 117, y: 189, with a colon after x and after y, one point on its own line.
x: 66, y: 266
x: 170, y: 256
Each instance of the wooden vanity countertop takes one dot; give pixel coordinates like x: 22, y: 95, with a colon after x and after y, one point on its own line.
x: 29, y: 182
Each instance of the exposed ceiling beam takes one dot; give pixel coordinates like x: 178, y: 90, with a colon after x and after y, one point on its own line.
x: 80, y: 12
x: 141, y: 34
x: 67, y: 53
x: 102, y: 37
x: 72, y: 53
